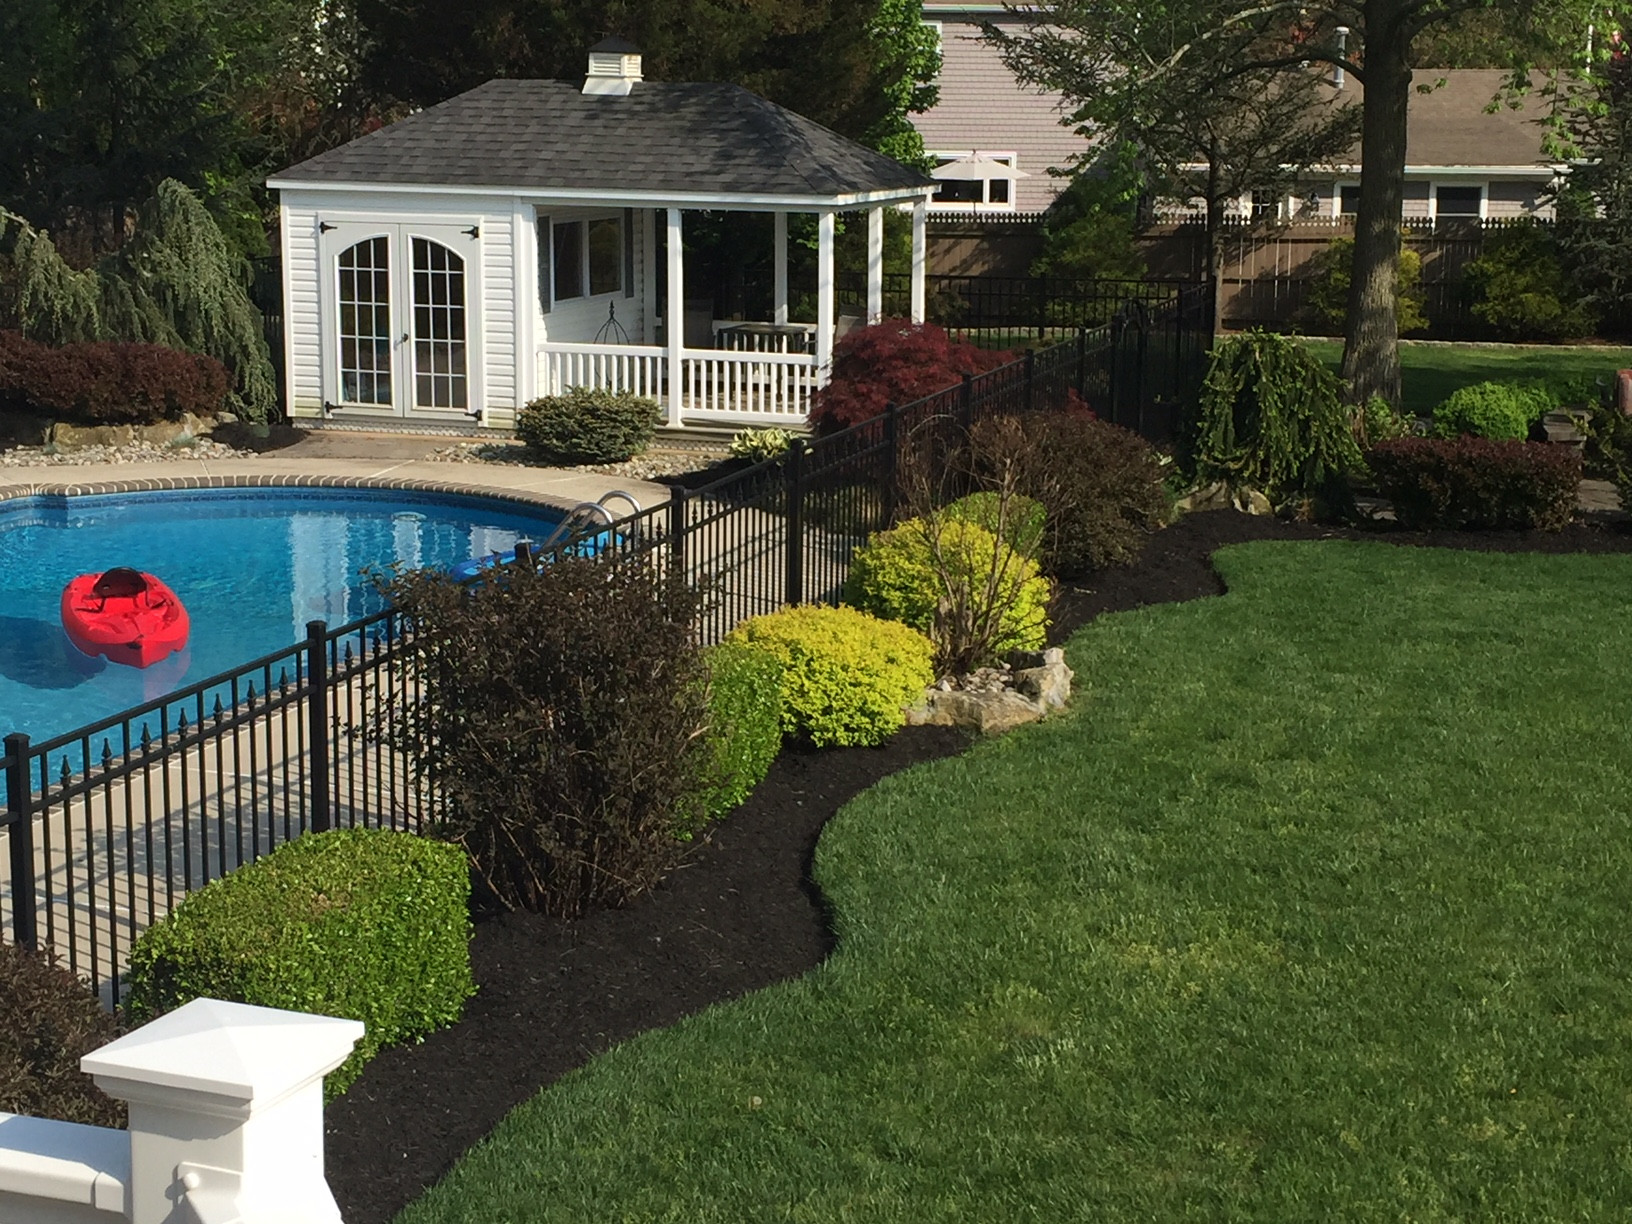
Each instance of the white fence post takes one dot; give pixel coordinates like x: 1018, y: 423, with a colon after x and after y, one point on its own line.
x: 226, y: 1113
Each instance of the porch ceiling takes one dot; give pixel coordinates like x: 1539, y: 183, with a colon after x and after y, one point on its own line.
x: 695, y: 143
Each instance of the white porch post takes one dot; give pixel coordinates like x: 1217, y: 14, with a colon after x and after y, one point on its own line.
x: 676, y: 316
x: 226, y: 1112
x: 648, y: 268
x: 920, y: 254
x: 875, y: 263
x: 779, y: 290
x: 825, y: 296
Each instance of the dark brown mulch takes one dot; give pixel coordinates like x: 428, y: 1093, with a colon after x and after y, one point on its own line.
x: 740, y: 915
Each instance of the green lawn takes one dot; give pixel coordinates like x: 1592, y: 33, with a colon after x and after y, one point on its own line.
x: 1315, y: 908
x: 1430, y: 372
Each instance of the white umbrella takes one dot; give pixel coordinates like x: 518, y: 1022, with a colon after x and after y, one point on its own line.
x: 974, y: 166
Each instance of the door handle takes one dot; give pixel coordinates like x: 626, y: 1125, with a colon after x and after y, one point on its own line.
x: 404, y: 339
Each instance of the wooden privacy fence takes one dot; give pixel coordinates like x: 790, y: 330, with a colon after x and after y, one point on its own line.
x: 1267, y: 270
x: 104, y: 829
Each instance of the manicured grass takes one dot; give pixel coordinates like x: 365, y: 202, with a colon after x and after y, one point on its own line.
x: 1430, y: 372
x: 1315, y: 908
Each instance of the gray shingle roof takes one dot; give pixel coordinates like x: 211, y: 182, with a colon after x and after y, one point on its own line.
x: 663, y: 137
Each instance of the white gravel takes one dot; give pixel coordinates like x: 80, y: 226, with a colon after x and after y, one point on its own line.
x: 135, y: 452
x: 653, y: 465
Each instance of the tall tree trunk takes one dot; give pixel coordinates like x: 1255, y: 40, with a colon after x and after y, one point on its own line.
x: 1214, y: 244
x: 1371, y: 349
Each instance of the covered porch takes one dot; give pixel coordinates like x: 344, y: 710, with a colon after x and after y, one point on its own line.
x: 528, y: 237
x: 753, y: 371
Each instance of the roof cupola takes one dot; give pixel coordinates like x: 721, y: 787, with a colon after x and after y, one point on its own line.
x: 614, y: 68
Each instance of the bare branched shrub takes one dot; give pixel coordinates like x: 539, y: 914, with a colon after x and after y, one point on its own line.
x: 961, y: 568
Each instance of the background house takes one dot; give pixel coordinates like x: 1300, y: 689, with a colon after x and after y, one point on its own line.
x: 1463, y: 161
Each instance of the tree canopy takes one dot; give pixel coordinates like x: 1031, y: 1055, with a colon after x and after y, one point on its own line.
x: 857, y: 66
x: 1133, y: 59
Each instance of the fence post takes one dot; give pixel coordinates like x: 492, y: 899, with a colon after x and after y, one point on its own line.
x: 794, y: 475
x: 892, y: 460
x: 966, y: 402
x: 1139, y: 392
x: 1031, y: 379
x: 1082, y: 362
x: 1042, y: 306
x: 677, y: 532
x: 20, y: 810
x: 317, y: 720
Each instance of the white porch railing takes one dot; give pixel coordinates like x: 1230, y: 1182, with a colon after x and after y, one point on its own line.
x: 714, y: 384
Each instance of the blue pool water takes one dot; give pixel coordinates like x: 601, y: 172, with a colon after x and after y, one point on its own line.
x: 252, y: 567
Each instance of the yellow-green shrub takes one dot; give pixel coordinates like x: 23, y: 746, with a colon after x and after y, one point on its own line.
x: 365, y: 924
x: 954, y: 581
x: 846, y: 676
x: 744, y: 724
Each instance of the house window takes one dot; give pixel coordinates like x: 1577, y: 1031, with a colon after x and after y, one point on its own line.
x: 1348, y: 200
x: 965, y: 194
x: 1266, y: 204
x: 580, y: 259
x: 567, y: 246
x: 605, y: 256
x: 1458, y: 201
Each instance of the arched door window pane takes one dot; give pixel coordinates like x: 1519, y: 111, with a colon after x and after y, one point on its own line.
x: 440, y: 375
x: 365, y: 322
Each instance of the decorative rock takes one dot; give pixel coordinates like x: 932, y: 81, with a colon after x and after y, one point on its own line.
x: 69, y: 437
x: 993, y: 700
x: 1220, y: 496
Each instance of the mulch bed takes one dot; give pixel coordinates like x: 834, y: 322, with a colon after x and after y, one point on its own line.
x: 739, y: 915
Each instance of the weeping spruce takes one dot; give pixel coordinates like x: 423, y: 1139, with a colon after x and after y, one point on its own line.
x: 175, y: 282
x: 1271, y: 418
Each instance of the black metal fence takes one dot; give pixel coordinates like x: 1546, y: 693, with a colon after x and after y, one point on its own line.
x: 1006, y: 310
x: 109, y: 826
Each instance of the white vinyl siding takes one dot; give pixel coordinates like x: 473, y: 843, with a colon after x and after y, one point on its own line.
x: 304, y: 370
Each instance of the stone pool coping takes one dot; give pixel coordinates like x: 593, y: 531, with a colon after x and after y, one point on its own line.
x: 551, y: 487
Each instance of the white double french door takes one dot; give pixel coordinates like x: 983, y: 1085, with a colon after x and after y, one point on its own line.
x: 401, y: 331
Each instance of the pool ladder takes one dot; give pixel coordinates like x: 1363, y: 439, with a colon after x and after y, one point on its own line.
x: 586, y: 514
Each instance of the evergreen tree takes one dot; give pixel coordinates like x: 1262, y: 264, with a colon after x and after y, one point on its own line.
x: 175, y: 282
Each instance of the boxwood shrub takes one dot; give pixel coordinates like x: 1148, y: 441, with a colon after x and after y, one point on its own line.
x: 1499, y: 411
x: 1477, y: 483
x: 49, y: 1020
x: 360, y: 923
x: 922, y: 572
x: 744, y: 723
x: 1021, y: 523
x: 847, y: 677
x: 588, y: 425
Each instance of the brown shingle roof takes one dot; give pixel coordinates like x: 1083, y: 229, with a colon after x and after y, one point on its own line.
x: 1449, y: 126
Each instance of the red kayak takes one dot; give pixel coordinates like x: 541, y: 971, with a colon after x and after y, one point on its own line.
x: 128, y: 616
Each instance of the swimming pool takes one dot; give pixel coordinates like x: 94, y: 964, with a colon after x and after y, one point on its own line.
x: 252, y: 566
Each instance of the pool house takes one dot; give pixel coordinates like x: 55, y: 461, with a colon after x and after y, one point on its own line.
x: 527, y: 237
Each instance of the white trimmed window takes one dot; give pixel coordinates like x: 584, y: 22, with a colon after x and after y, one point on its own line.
x: 1346, y: 200
x: 995, y: 194
x: 1457, y: 200
x: 580, y: 258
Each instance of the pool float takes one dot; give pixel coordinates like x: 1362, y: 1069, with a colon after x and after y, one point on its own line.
x: 588, y: 546
x: 127, y: 616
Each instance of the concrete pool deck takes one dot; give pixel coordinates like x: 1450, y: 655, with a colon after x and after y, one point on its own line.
x: 332, y: 460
